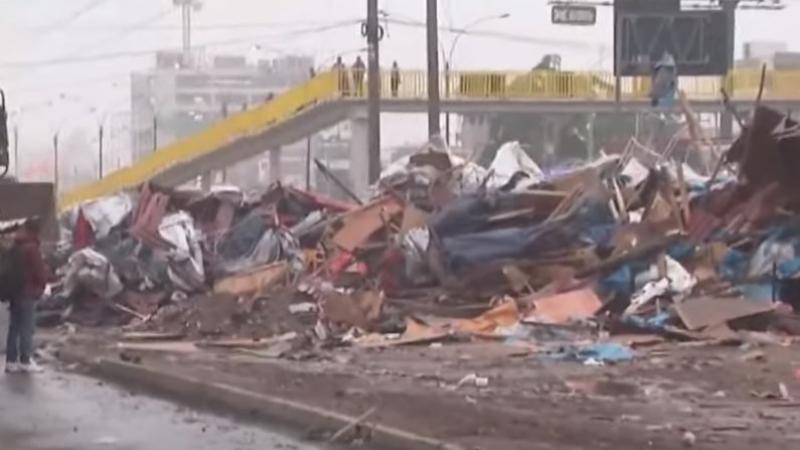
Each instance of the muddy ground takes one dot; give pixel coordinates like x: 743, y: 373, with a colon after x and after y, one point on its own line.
x: 672, y: 396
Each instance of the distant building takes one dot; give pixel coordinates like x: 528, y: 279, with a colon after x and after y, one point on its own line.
x: 173, y: 100
x: 775, y: 55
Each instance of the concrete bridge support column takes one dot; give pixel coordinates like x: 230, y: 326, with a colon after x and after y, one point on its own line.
x: 475, y: 133
x: 206, y: 180
x: 359, y: 154
x: 590, y: 143
x: 275, y: 165
x: 552, y: 134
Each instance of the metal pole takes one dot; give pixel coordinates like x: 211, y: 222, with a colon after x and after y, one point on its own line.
x: 55, y: 161
x: 308, y: 163
x: 434, y: 106
x: 155, y: 132
x: 16, y: 152
x: 447, y: 96
x: 100, y: 152
x: 374, y: 92
x: 186, y: 11
x: 726, y: 121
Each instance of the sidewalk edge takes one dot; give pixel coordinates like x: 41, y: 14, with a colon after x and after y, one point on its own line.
x: 243, y: 402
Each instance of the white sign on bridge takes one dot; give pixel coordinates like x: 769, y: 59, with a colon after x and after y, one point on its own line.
x: 574, y: 15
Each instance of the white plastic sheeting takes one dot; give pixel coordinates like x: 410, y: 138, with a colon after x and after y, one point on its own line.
x: 274, y: 245
x: 185, y: 260
x: 510, y: 159
x: 93, y: 271
x: 678, y: 284
x: 106, y: 213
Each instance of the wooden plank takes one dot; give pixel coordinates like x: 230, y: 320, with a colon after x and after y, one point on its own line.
x: 705, y: 312
x: 561, y: 308
x: 170, y: 346
x: 254, y: 281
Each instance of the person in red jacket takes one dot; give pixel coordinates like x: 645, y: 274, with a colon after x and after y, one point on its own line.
x: 22, y: 317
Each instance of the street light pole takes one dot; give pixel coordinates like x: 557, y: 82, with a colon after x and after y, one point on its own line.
x: 449, y: 61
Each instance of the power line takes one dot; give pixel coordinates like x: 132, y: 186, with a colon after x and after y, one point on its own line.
x: 519, y: 38
x: 75, y: 15
x: 135, y: 53
x: 127, y: 31
x: 209, y: 26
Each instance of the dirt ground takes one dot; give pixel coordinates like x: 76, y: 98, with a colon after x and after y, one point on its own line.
x: 671, y: 396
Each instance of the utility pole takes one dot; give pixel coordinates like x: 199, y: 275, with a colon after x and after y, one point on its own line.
x: 186, y: 25
x: 434, y: 106
x: 55, y: 161
x: 373, y: 91
x: 100, y: 152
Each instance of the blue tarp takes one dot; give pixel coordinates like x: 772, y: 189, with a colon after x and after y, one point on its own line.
x: 603, y: 351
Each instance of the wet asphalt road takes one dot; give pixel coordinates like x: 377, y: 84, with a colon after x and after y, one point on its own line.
x: 65, y: 411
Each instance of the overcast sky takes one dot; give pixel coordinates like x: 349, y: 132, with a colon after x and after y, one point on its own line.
x: 37, y: 36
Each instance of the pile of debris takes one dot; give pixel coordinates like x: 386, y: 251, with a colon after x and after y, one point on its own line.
x: 580, y: 263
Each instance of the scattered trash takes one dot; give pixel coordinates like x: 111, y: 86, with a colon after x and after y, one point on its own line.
x: 472, y: 380
x: 303, y: 308
x: 688, y: 439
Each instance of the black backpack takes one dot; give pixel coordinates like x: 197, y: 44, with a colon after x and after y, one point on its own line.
x: 12, y: 272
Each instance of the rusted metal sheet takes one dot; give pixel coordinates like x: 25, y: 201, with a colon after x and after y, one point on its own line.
x: 769, y: 152
x: 149, y: 212
x: 22, y: 200
x: 358, y: 225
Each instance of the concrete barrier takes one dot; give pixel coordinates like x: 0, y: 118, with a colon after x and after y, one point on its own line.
x: 270, y: 409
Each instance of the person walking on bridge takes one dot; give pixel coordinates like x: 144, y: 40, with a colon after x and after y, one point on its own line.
x: 342, y: 75
x: 359, y: 70
x: 395, y: 79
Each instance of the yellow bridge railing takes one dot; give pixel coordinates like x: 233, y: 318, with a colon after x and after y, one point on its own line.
x: 548, y: 85
x: 545, y: 86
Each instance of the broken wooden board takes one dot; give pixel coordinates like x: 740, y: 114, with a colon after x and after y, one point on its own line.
x: 360, y: 224
x: 413, y: 218
x: 151, y: 336
x: 274, y: 351
x: 638, y: 340
x: 252, y: 282
x: 170, y: 346
x: 488, y: 323
x: 416, y: 333
x: 563, y: 308
x: 248, y: 343
x: 707, y: 311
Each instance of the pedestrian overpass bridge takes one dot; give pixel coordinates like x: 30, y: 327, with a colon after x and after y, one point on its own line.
x: 332, y: 97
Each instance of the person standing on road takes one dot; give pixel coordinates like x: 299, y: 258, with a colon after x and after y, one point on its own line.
x: 395, y: 79
x: 359, y: 70
x: 22, y: 317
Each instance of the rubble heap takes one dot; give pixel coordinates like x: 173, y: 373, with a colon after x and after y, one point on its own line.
x: 582, y: 263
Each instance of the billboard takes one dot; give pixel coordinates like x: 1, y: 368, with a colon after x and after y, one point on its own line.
x: 573, y: 15
x: 697, y: 39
